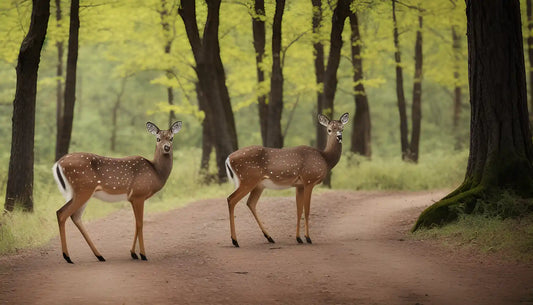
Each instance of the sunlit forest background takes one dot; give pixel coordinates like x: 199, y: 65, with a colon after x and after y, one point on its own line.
x: 123, y: 75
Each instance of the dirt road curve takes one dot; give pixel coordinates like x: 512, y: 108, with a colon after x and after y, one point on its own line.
x: 359, y: 256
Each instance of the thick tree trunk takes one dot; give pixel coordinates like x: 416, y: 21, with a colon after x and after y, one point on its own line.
x: 59, y: 88
x: 20, y: 174
x: 399, y: 87
x: 529, y: 15
x: 70, y: 81
x: 501, y: 150
x: 416, y: 110
x: 361, y: 123
x: 211, y: 80
x: 318, y: 49
x: 259, y: 32
x: 275, y: 103
x: 457, y: 87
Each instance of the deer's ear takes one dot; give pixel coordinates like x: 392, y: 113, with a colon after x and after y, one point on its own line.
x: 176, y: 127
x: 152, y: 128
x: 323, y: 120
x: 344, y: 118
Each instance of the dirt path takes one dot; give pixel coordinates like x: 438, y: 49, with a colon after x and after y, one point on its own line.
x: 359, y: 256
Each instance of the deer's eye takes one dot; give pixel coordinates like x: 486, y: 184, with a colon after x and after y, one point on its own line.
x: 158, y: 139
x: 329, y: 130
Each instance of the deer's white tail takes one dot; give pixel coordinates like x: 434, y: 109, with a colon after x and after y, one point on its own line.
x: 231, y: 174
x: 64, y: 186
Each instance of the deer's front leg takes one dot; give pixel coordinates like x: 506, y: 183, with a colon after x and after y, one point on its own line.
x: 307, y: 207
x: 138, y: 211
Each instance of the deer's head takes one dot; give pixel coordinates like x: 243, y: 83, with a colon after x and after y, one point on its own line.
x: 334, y: 127
x: 164, y: 137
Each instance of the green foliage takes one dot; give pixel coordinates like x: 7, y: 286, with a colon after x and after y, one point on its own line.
x: 503, y: 204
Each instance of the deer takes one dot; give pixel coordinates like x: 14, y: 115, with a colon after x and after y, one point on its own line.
x: 255, y: 168
x: 80, y: 176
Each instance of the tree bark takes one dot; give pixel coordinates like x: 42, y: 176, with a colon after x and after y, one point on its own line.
x: 59, y: 88
x: 211, y: 80
x: 259, y: 33
x: 318, y: 49
x: 501, y: 150
x: 70, y: 81
x: 399, y: 86
x: 361, y: 123
x: 416, y: 110
x: 275, y: 103
x: 20, y: 174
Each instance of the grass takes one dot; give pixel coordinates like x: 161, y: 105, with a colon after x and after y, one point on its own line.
x: 19, y: 230
x: 510, y: 238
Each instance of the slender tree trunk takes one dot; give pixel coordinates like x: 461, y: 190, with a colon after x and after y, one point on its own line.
x: 340, y: 13
x: 164, y: 14
x: 20, y: 174
x: 318, y: 49
x: 399, y: 87
x: 361, y: 123
x: 70, y: 82
x: 59, y: 88
x: 114, y: 115
x: 529, y: 10
x: 457, y: 87
x: 416, y: 112
x: 501, y: 151
x: 259, y: 32
x: 211, y: 80
x: 275, y: 103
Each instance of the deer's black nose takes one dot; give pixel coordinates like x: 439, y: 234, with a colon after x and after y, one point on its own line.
x: 339, y: 137
x: 166, y: 148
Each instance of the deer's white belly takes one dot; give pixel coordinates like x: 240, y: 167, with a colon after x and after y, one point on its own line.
x: 269, y: 184
x: 110, y: 197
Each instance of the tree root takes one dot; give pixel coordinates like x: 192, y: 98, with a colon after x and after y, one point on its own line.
x: 448, y: 209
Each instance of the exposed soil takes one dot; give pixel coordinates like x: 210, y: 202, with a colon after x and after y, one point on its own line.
x: 360, y: 255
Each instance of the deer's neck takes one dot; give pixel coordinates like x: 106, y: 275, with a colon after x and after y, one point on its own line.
x: 163, y: 165
x: 332, y: 152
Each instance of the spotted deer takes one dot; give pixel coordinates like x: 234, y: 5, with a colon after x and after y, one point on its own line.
x: 81, y: 176
x: 255, y: 168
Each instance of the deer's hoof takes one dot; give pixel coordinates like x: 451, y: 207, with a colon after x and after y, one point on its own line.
x: 143, y: 257
x: 100, y: 258
x: 308, y: 240
x: 235, y: 243
x: 134, y: 255
x: 270, y: 240
x: 299, y: 240
x: 67, y: 258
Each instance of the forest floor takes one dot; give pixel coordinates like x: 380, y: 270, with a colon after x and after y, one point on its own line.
x: 361, y: 254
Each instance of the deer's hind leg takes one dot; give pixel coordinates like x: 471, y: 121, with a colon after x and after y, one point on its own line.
x: 76, y: 218
x: 63, y: 214
x: 252, y: 203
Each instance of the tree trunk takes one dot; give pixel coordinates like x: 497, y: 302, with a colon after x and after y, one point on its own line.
x: 361, y: 123
x: 399, y: 87
x: 457, y: 89
x: 59, y: 88
x: 340, y: 13
x: 318, y: 48
x: 114, y: 116
x: 20, y: 174
x: 258, y: 28
x: 501, y: 150
x: 70, y: 81
x: 167, y: 34
x: 416, y: 110
x: 529, y: 14
x: 211, y: 80
x: 275, y: 103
